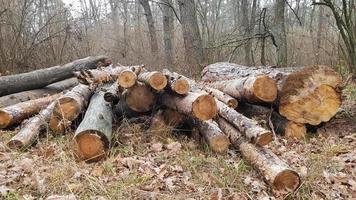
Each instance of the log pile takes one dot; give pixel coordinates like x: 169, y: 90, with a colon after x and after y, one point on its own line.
x: 233, y: 105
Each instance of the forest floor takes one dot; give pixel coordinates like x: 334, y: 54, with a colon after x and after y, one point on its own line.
x: 147, y: 165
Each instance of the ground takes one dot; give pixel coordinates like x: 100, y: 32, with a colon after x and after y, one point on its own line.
x: 165, y: 164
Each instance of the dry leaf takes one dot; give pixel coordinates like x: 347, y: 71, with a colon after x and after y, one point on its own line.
x: 60, y: 197
x: 156, y: 147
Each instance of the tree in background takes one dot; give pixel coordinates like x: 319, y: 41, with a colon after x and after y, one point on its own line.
x: 279, y: 32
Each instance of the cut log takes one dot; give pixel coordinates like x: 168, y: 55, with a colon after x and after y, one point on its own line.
x: 16, y: 113
x: 307, y: 95
x: 198, y: 105
x: 155, y: 80
x: 52, y: 89
x: 253, y: 132
x: 280, y: 124
x: 276, y: 172
x: 32, y: 129
x: 128, y: 77
x: 68, y: 107
x: 43, y: 77
x: 139, y: 98
x: 93, y: 135
x: 176, y: 83
x: 113, y: 93
x: 225, y: 98
x: 216, y: 139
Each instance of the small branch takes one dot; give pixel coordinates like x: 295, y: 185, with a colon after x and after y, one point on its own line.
x: 296, y: 15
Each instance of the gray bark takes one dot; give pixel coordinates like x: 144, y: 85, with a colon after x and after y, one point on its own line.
x: 168, y: 33
x: 279, y: 32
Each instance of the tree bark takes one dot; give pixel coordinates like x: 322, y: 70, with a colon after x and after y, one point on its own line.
x: 276, y: 172
x: 245, y: 26
x: 279, y: 32
x: 198, y: 105
x: 16, y: 113
x: 32, y: 129
x: 42, y: 77
x: 281, y: 125
x: 68, y: 107
x: 168, y: 33
x: 155, y: 80
x: 253, y: 132
x: 93, y: 135
x: 176, y: 83
x: 221, y: 96
x: 113, y: 94
x: 52, y: 89
x: 216, y: 139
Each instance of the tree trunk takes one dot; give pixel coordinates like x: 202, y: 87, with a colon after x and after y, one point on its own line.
x: 280, y: 124
x: 42, y: 77
x: 32, y: 129
x: 216, y: 139
x: 276, y: 172
x: 139, y: 98
x: 151, y: 28
x: 279, y: 32
x: 68, y: 107
x: 191, y: 35
x: 168, y: 33
x: 155, y: 80
x: 52, y: 89
x: 245, y: 26
x: 93, y: 135
x: 16, y: 113
x: 176, y: 83
x: 198, y: 105
x: 252, y: 131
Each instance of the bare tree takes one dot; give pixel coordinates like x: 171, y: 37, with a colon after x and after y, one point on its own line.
x: 168, y: 28
x: 279, y: 32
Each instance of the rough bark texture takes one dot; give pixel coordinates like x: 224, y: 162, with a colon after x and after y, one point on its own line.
x: 16, y: 113
x: 221, y: 96
x: 155, y: 80
x: 68, y: 107
x: 93, y: 135
x: 32, y: 129
x: 176, y: 83
x: 139, y: 98
x: 216, y: 139
x: 280, y: 124
x: 198, y: 105
x: 42, y: 77
x: 99, y: 76
x: 51, y: 89
x: 279, y: 32
x: 168, y: 31
x: 275, y: 171
x: 250, y: 128
x: 113, y: 94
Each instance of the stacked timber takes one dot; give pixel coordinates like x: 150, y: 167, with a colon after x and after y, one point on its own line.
x: 233, y: 106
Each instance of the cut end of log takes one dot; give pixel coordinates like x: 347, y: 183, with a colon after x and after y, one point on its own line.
x: 5, y: 119
x: 265, y: 89
x: 287, y: 179
x: 264, y: 138
x: 90, y: 146
x: 65, y: 111
x: 140, y: 98
x: 127, y: 78
x: 232, y: 103
x: 181, y: 86
x: 295, y: 130
x: 15, y: 144
x: 204, y: 107
x: 158, y: 81
x: 312, y: 107
x: 219, y: 143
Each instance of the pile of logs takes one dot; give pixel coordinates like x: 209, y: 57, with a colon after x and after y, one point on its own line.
x: 232, y: 105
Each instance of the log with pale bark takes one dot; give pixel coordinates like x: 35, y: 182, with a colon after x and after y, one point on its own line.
x: 93, y: 135
x: 216, y: 139
x: 198, y: 105
x: 68, y: 107
x: 306, y: 95
x: 253, y: 132
x: 176, y: 83
x: 280, y: 124
x: 43, y: 77
x: 32, y: 129
x: 276, y: 172
x: 14, y: 114
x: 155, y: 80
x: 113, y: 93
x: 51, y: 89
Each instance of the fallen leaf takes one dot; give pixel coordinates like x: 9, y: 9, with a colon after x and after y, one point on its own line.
x: 156, y: 147
x: 60, y: 197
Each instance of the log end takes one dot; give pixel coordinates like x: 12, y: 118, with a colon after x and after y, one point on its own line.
x: 127, y: 79
x: 287, y: 179
x: 264, y: 138
x: 140, y: 98
x: 232, y: 103
x: 295, y: 130
x: 204, y: 107
x: 265, y: 89
x: 181, y: 86
x: 15, y: 144
x: 5, y: 119
x: 219, y: 143
x: 158, y: 81
x: 90, y: 146
x: 65, y: 110
x: 312, y: 107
